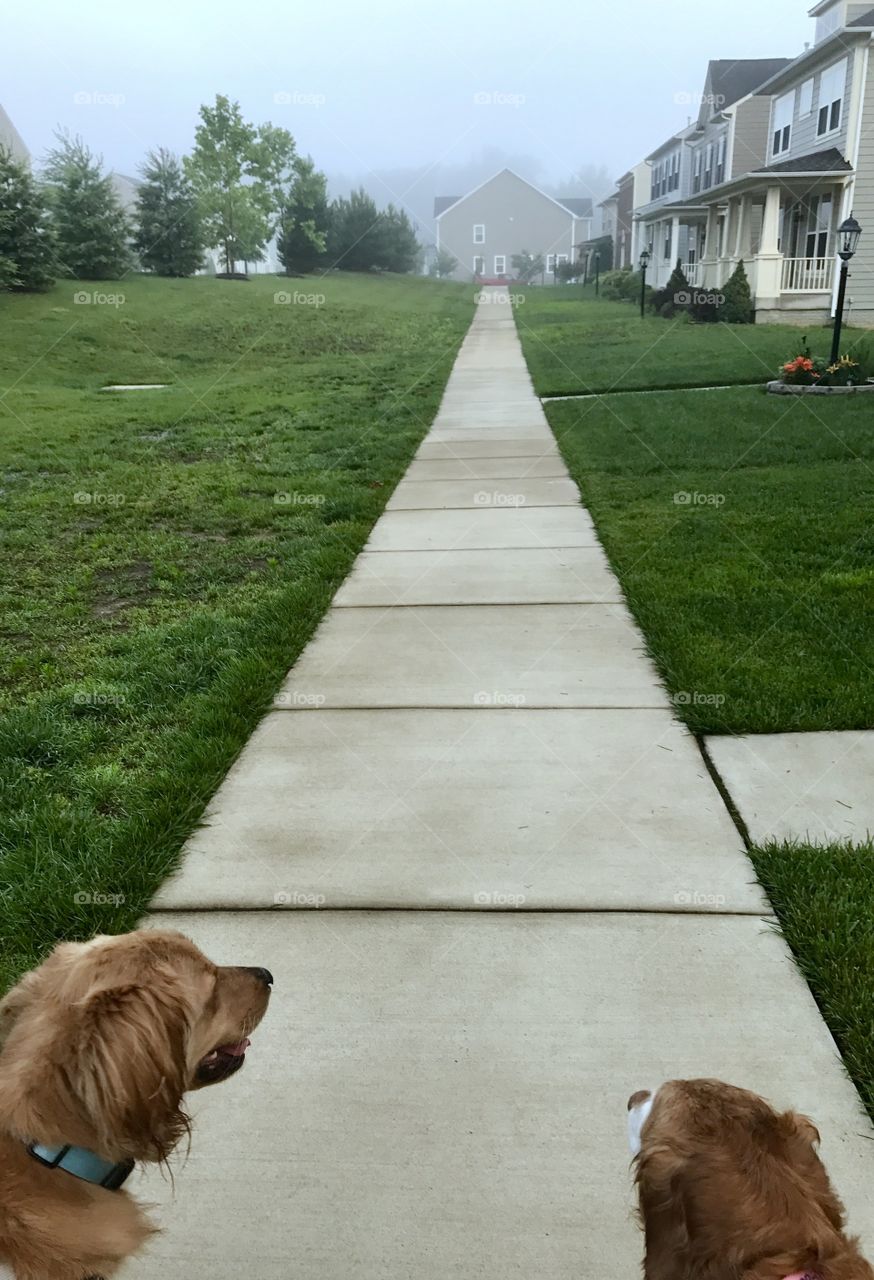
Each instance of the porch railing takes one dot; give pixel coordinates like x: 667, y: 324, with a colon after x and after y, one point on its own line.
x: 693, y: 273
x: 808, y: 275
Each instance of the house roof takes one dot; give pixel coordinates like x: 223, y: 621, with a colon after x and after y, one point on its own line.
x: 829, y: 161
x: 841, y: 40
x: 611, y: 199
x: 579, y: 206
x: 730, y: 79
x: 864, y: 20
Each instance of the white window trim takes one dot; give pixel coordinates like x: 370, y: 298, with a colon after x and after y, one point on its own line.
x: 832, y: 130
x: 502, y: 269
x: 781, y: 123
x: 808, y: 84
x: 550, y: 260
x: 560, y: 258
x: 479, y: 233
x: 479, y: 270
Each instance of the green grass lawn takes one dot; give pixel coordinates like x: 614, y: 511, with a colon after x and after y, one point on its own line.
x: 575, y: 343
x: 167, y: 554
x: 824, y: 898
x: 741, y: 526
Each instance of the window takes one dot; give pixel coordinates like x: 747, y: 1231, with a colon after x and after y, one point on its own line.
x: 831, y: 97
x: 675, y: 171
x: 805, y: 98
x: 707, y: 177
x: 550, y: 262
x: 479, y: 266
x: 699, y: 160
x: 667, y: 242
x: 720, y: 159
x: 782, y: 126
x: 819, y: 223
x: 500, y: 264
x: 560, y: 258
x: 479, y: 233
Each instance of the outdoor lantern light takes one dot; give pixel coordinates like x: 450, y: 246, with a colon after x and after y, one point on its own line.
x: 644, y: 263
x: 848, y: 241
x: 849, y: 233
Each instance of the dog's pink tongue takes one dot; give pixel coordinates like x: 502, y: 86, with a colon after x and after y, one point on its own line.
x: 235, y: 1050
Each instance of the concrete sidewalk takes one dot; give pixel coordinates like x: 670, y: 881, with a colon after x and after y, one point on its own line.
x: 499, y: 892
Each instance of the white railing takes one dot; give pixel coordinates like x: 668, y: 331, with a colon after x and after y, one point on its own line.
x: 807, y: 275
x: 693, y: 273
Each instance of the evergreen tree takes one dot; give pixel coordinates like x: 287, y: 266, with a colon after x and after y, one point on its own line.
x: 676, y: 295
x: 91, y: 228
x: 354, y: 233
x: 737, y: 305
x: 304, y: 222
x: 399, y: 250
x: 27, y: 249
x: 168, y: 237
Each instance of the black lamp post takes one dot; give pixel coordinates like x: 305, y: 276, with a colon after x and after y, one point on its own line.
x: 644, y: 263
x: 597, y: 273
x: 848, y: 239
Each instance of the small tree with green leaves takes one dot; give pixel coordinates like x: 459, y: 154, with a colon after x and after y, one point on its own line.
x: 27, y: 248
x: 303, y: 224
x: 91, y: 228
x: 527, y: 265
x: 168, y: 237
x: 443, y: 265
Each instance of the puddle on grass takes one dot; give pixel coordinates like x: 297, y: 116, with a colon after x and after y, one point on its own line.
x: 135, y: 386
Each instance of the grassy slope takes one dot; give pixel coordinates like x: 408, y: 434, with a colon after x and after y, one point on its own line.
x: 574, y: 343
x: 167, y: 554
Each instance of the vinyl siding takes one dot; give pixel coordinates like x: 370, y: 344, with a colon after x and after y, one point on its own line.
x: 751, y: 133
x: 805, y: 139
x: 516, y: 217
x: 862, y: 268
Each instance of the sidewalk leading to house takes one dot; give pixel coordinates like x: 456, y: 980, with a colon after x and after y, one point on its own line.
x: 510, y: 895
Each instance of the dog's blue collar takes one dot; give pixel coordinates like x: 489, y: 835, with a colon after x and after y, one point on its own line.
x: 83, y: 1164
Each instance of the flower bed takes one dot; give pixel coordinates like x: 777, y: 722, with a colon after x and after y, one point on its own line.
x: 805, y: 374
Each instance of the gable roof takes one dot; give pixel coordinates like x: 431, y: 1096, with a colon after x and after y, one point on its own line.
x: 730, y: 79
x: 864, y: 20
x: 829, y: 161
x: 578, y: 206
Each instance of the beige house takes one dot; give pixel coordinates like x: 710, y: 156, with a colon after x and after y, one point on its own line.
x: 504, y: 216
x: 11, y: 139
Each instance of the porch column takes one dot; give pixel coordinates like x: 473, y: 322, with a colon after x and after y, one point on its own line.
x: 708, y: 259
x: 675, y: 240
x: 744, y: 238
x: 769, y: 260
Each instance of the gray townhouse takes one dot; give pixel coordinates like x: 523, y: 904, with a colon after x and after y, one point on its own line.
x: 778, y: 207
x: 11, y: 139
x: 730, y: 130
x: 508, y: 215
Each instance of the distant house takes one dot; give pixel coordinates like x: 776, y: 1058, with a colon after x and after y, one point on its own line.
x: 508, y: 215
x: 126, y: 189
x: 11, y: 139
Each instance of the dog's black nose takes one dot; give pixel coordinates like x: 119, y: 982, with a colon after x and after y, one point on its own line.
x: 264, y: 975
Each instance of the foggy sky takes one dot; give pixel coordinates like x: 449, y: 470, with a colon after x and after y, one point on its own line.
x: 377, y: 92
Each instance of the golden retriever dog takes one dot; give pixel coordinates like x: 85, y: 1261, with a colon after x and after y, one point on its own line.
x: 730, y: 1189
x: 97, y: 1048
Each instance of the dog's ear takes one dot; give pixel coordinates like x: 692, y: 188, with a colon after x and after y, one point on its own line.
x: 129, y: 1069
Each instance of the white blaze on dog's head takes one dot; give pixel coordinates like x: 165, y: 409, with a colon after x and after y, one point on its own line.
x: 639, y: 1107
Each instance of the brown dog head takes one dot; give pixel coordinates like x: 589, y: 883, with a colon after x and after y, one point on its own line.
x: 100, y: 1043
